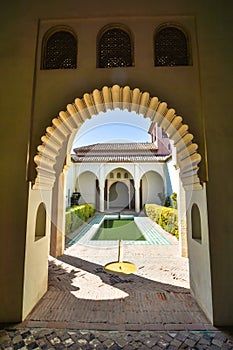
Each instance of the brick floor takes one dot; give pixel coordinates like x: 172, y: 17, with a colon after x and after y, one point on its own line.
x: 82, y: 295
x: 87, y: 308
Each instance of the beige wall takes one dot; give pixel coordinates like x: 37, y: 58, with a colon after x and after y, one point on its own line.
x: 36, y: 252
x: 62, y: 87
x: 31, y: 98
x: 199, y: 257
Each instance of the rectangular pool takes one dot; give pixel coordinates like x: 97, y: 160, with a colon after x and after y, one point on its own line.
x: 118, y: 229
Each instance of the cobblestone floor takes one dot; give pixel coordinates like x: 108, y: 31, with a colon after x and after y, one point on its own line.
x: 45, y: 339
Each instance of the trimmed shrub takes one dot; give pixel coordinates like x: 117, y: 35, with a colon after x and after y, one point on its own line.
x: 166, y: 217
x: 77, y: 215
x: 173, y: 197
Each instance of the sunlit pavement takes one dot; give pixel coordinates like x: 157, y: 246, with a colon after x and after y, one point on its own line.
x: 82, y: 295
x: 88, y: 308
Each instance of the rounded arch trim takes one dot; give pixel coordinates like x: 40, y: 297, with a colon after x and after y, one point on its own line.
x: 123, y: 98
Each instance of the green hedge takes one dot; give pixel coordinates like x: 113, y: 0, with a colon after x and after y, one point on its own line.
x: 166, y: 217
x: 76, y: 215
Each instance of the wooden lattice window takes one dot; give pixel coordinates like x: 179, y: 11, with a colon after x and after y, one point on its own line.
x: 171, y: 47
x: 114, y: 49
x: 59, y: 50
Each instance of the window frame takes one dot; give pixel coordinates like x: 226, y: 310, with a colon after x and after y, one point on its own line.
x: 48, y: 34
x: 188, y: 44
x: 103, y: 31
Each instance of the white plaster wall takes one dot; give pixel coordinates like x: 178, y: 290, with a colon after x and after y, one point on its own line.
x: 173, y: 174
x: 116, y: 171
x: 81, y: 168
x: 159, y: 168
x: 36, y: 254
x: 199, y: 258
x: 135, y: 169
x: 130, y: 167
x: 85, y: 178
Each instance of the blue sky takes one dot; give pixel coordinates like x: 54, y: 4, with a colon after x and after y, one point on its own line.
x: 113, y: 126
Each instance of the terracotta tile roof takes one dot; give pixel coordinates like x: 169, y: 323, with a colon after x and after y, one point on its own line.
x: 118, y: 152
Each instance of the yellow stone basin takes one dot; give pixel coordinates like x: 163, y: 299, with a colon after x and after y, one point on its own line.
x: 120, y: 267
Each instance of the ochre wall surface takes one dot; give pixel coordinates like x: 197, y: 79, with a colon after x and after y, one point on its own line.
x: 31, y: 98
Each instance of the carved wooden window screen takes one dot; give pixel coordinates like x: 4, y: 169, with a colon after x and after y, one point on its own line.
x: 171, y: 48
x: 115, y: 49
x: 60, y: 51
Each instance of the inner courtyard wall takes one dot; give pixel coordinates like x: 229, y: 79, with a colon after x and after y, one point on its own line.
x: 81, y: 178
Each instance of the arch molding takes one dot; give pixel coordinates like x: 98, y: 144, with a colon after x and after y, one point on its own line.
x: 123, y: 98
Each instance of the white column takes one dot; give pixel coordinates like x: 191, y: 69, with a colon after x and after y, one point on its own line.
x: 182, y: 221
x: 101, y: 185
x: 102, y: 198
x: 57, y: 237
x: 107, y: 194
x: 129, y: 193
x: 137, y: 198
x: 137, y: 187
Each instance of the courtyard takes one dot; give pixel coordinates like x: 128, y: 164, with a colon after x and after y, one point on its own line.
x: 81, y: 295
x: 88, y: 308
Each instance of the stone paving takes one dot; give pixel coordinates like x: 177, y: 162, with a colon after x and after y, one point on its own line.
x: 45, y: 339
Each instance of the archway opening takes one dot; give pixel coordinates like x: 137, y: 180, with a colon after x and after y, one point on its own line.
x: 153, y: 189
x: 118, y: 196
x: 85, y: 184
x: 185, y: 156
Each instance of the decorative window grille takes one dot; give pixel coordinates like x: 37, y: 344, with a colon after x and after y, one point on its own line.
x: 126, y: 175
x: 118, y: 175
x: 171, y: 48
x: 115, y: 49
x: 60, y: 51
x: 111, y: 175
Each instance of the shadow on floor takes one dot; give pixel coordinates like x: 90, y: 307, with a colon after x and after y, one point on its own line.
x: 84, y: 295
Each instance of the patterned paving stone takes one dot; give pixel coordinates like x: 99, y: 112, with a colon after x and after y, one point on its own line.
x: 45, y: 339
